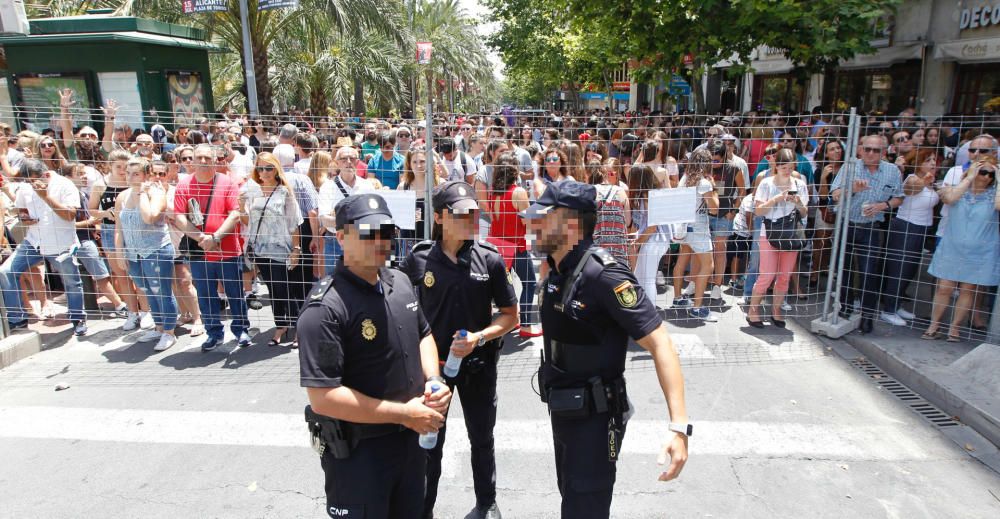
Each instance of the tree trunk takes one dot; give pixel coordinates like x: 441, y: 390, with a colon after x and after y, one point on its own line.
x: 317, y: 100
x: 359, y: 97
x: 260, y: 70
x: 697, y: 89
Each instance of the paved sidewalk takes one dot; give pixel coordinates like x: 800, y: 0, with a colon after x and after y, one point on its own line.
x: 962, y: 379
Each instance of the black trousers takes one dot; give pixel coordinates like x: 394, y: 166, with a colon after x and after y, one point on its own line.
x: 304, y: 274
x: 382, y: 479
x: 864, y: 250
x: 285, y: 288
x: 585, y: 476
x: 476, y: 384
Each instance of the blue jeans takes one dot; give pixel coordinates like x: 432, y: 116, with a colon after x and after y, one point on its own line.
x: 26, y: 256
x: 154, y: 276
x: 332, y: 253
x: 753, y: 265
x: 902, y: 259
x: 526, y: 271
x: 207, y: 274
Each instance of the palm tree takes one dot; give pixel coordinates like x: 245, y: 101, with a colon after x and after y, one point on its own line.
x: 458, y: 49
x: 328, y: 64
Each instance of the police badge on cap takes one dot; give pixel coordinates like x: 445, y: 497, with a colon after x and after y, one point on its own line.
x: 456, y: 196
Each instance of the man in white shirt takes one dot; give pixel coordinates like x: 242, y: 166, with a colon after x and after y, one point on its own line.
x: 345, y: 183
x: 458, y: 164
x: 48, y: 205
x: 305, y: 144
x: 240, y: 165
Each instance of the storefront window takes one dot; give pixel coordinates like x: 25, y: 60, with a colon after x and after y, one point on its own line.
x: 978, y: 86
x: 778, y: 92
x: 887, y: 90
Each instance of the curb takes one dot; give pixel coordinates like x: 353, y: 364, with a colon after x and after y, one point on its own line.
x: 941, y: 396
x: 19, y: 346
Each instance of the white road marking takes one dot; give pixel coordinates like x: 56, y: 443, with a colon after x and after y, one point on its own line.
x: 690, y: 346
x: 832, y: 441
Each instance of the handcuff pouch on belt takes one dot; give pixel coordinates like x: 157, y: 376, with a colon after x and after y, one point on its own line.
x: 595, y: 398
x: 340, y: 437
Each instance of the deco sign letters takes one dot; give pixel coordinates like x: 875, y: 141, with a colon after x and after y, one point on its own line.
x: 977, y: 17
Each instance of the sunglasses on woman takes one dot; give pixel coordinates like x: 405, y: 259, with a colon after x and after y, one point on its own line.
x: 551, y: 159
x: 992, y: 173
x: 47, y: 145
x: 263, y: 169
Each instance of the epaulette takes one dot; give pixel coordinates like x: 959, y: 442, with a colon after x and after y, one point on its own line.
x: 422, y: 246
x: 320, y: 288
x: 604, y: 257
x: 488, y: 246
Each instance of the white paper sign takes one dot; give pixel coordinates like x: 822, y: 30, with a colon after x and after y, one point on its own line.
x: 676, y: 205
x: 403, y: 206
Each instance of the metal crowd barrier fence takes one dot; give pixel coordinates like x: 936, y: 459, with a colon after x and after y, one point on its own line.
x: 592, y: 147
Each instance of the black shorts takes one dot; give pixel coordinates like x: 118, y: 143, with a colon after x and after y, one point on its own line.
x: 738, y: 246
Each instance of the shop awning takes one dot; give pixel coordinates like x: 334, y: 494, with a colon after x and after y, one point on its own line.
x: 884, y: 57
x: 969, y: 51
x: 772, y: 66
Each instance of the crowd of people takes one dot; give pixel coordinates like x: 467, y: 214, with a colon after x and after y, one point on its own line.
x: 177, y: 224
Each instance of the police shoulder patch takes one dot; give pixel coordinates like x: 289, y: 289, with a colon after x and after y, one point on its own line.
x: 321, y: 288
x: 423, y: 246
x: 604, y: 257
x: 488, y: 246
x: 626, y: 295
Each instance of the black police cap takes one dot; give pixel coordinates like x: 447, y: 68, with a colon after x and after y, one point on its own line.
x: 564, y: 193
x: 456, y: 196
x: 369, y: 210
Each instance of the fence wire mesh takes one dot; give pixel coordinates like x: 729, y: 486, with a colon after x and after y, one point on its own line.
x: 111, y: 213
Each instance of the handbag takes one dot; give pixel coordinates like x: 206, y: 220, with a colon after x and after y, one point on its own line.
x: 785, y: 233
x: 250, y: 256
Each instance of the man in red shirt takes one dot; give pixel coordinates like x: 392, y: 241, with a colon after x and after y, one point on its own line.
x: 207, y: 210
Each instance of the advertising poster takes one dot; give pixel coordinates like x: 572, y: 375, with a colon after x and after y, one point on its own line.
x: 187, y: 100
x: 40, y: 99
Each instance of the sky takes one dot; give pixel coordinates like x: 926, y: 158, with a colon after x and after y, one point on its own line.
x: 474, y: 8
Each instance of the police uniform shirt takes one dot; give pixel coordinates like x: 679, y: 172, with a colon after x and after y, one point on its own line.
x: 457, y: 295
x: 362, y: 336
x: 609, y: 306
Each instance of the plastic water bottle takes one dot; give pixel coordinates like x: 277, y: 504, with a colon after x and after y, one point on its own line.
x: 430, y: 440
x: 453, y: 364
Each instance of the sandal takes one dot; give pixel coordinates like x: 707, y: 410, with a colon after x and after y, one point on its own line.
x: 953, y: 338
x: 931, y: 336
x: 273, y: 342
x: 196, y: 330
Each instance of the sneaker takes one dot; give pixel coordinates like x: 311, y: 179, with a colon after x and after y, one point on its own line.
x: 716, y: 292
x: 661, y: 281
x: 909, y: 316
x: 704, y: 314
x: 146, y: 320
x: 209, y: 345
x: 735, y: 284
x: 166, y: 341
x: 743, y: 301
x: 151, y: 335
x: 244, y: 340
x: 17, y: 326
x: 785, y: 307
x: 892, y: 319
x: 682, y: 303
x: 48, y: 312
x: 689, y: 289
x: 121, y: 312
x: 223, y: 302
x: 131, y: 322
x: 79, y: 328
x: 253, y: 302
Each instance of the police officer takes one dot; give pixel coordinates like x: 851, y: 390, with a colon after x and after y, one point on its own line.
x: 369, y: 363
x: 458, y: 279
x: 590, y: 306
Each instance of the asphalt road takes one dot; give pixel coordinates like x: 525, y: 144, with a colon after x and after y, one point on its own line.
x: 784, y: 428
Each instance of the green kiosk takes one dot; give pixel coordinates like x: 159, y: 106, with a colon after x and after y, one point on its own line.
x: 157, y: 72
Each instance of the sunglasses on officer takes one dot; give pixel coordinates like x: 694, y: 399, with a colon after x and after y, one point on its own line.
x: 365, y: 232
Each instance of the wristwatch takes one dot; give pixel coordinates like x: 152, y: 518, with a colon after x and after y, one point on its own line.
x: 482, y: 339
x: 683, y: 428
x: 436, y: 378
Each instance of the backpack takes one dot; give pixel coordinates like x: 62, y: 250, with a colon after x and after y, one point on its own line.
x: 610, y: 232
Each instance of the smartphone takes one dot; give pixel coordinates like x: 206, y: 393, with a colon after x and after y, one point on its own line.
x: 793, y: 192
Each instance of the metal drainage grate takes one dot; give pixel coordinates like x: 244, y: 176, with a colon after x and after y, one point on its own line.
x: 915, y: 401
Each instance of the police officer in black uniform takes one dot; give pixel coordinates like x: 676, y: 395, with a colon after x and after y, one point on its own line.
x: 458, y: 280
x: 369, y: 362
x: 590, y: 306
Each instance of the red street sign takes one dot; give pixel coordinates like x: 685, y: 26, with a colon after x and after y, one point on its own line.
x: 688, y: 59
x: 424, y: 52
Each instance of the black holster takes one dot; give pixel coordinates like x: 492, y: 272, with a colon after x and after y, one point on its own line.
x: 329, y: 434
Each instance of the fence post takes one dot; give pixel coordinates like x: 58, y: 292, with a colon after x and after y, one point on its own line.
x: 839, y: 248
x: 429, y: 176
